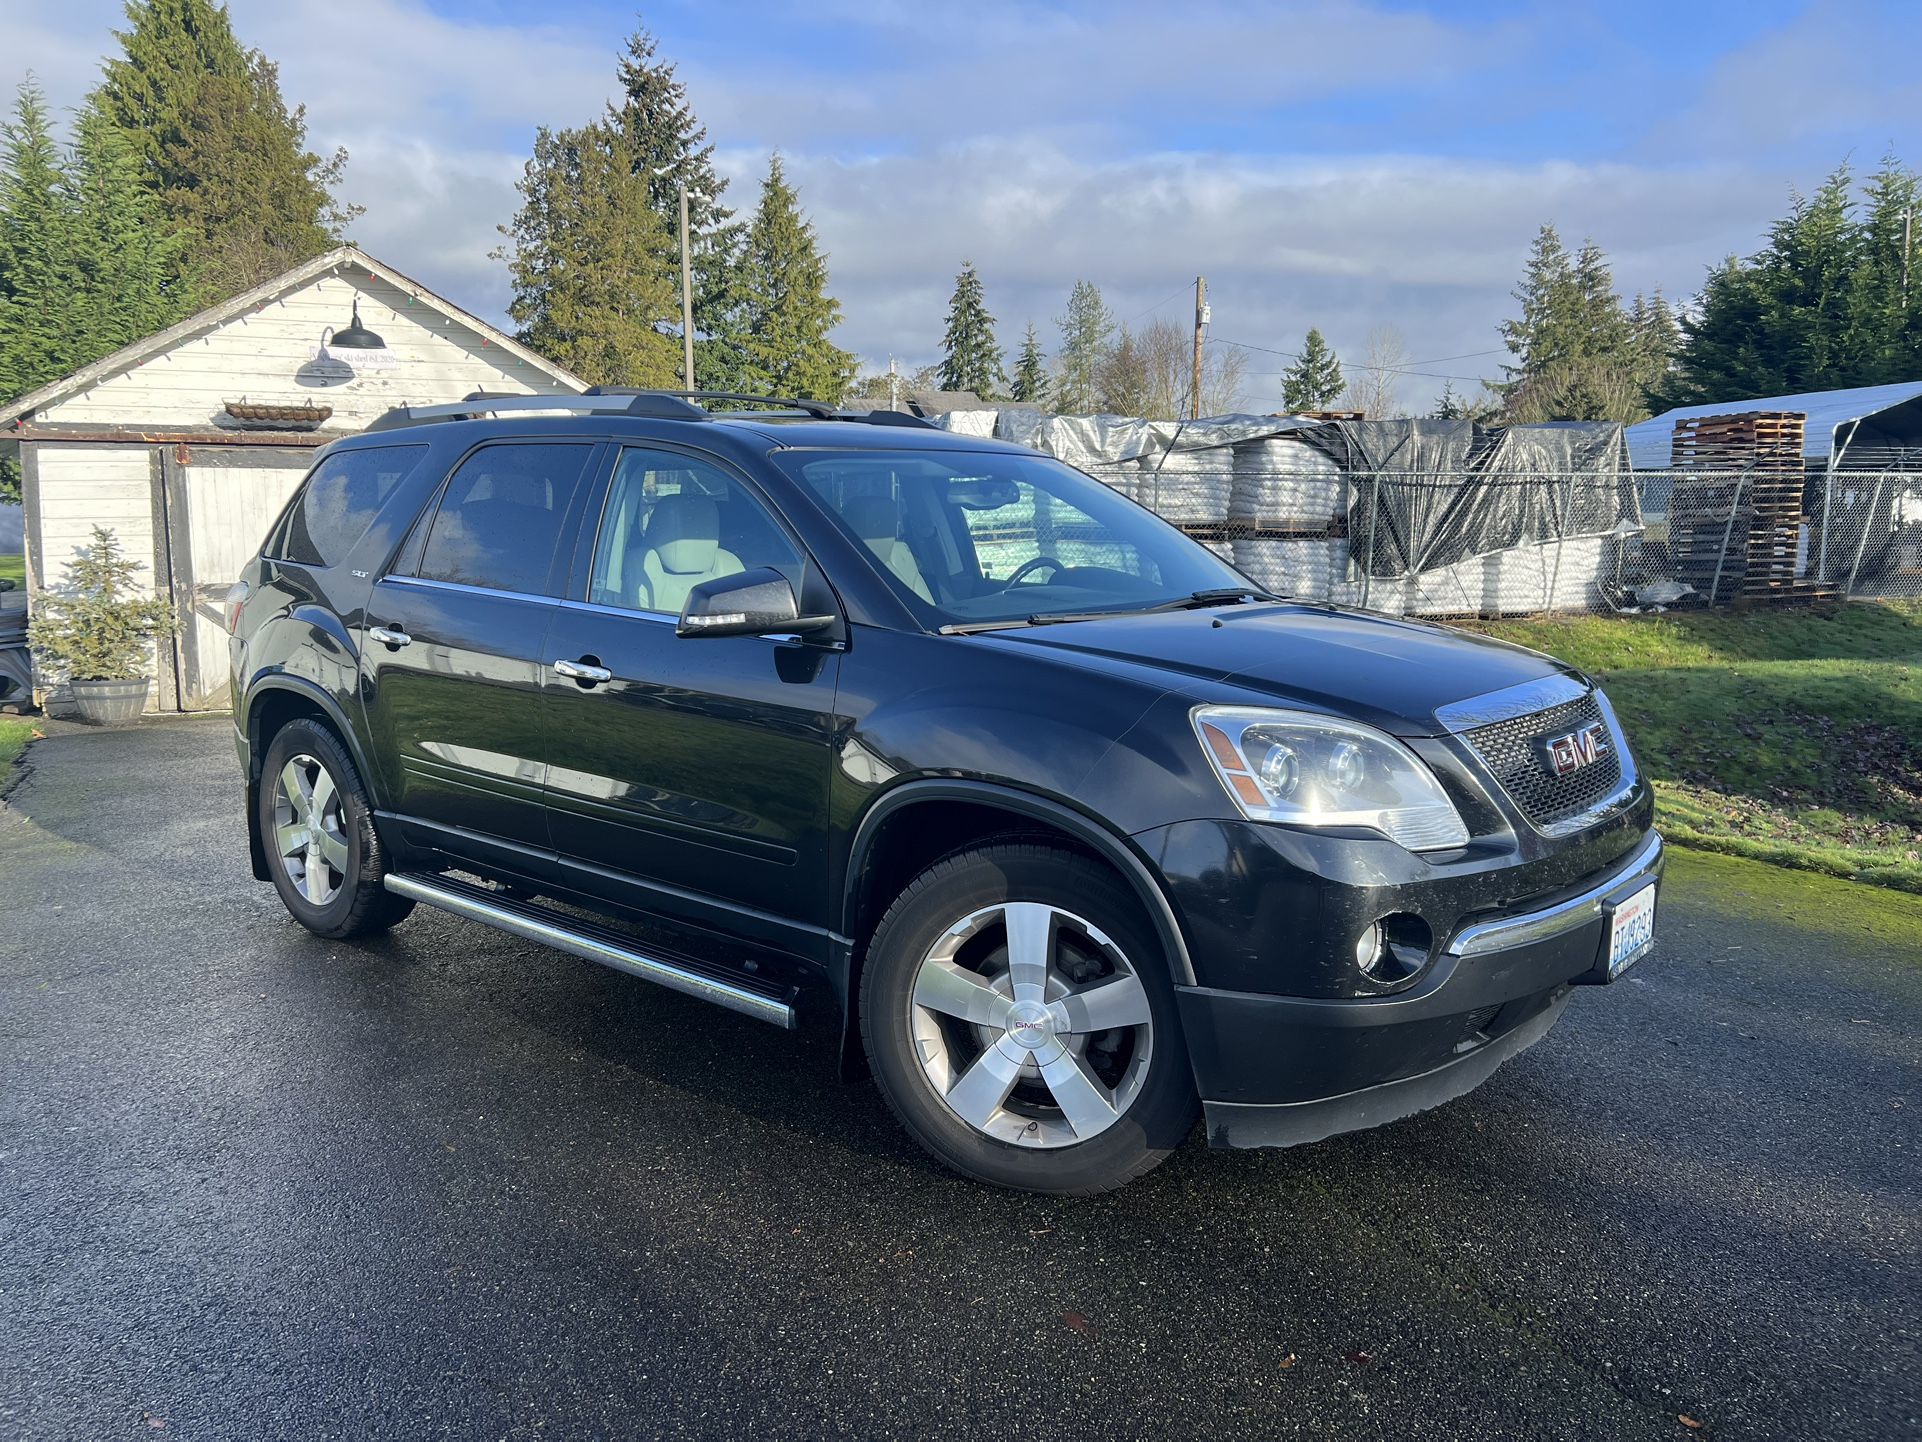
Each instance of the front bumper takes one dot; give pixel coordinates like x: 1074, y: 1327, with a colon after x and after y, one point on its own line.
x: 1283, y: 1070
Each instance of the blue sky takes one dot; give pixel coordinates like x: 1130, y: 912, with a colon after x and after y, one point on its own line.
x: 1349, y: 165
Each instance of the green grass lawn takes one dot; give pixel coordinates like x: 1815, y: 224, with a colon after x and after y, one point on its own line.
x: 1792, y: 736
x: 15, y: 733
x: 14, y: 568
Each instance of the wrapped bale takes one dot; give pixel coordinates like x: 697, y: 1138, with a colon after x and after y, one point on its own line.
x: 970, y: 423
x: 1313, y: 570
x: 1186, y: 487
x: 1282, y: 485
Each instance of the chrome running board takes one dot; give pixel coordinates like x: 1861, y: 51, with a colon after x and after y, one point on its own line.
x: 592, y: 942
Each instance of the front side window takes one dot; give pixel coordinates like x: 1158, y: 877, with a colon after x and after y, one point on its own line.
x: 339, y: 501
x: 969, y: 537
x: 500, y: 518
x: 672, y: 522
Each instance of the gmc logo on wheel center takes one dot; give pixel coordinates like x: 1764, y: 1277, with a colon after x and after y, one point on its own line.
x: 1575, y: 749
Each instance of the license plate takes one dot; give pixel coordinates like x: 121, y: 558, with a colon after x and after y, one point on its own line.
x: 1631, y: 930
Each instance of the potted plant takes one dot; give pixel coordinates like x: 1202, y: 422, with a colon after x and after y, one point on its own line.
x: 96, y: 631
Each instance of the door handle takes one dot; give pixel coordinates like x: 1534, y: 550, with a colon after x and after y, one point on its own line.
x: 388, y: 637
x: 583, y: 671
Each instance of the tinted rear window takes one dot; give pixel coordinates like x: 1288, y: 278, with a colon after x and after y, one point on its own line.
x: 340, y: 500
x: 500, y: 518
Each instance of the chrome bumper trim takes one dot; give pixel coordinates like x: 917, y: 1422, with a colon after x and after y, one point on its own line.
x: 1564, y: 916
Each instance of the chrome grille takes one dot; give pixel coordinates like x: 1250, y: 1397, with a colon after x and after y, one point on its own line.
x: 1513, y: 752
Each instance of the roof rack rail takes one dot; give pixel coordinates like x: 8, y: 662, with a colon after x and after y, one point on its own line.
x: 632, y: 401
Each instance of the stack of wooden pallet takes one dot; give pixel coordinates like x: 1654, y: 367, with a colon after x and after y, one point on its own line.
x: 1736, y: 519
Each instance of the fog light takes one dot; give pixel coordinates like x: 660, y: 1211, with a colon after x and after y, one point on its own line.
x: 1368, y: 949
x: 1394, y: 949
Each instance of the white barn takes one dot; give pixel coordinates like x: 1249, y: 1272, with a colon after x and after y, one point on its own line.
x: 187, y: 444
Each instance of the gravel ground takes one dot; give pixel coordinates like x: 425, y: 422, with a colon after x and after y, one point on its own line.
x: 253, y: 1184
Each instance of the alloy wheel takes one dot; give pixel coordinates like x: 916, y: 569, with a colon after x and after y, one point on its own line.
x: 1031, y: 1025
x: 310, y: 830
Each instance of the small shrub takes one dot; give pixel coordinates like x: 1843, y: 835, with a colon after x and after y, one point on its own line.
x: 97, y: 628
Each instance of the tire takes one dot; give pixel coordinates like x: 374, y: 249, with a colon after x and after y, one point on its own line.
x: 327, y: 868
x: 994, y: 1055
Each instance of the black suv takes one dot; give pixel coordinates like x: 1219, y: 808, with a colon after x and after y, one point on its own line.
x: 1063, y: 824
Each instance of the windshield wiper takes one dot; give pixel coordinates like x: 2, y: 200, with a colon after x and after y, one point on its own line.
x: 1193, y: 601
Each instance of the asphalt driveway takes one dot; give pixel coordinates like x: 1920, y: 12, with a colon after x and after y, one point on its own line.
x: 254, y: 1185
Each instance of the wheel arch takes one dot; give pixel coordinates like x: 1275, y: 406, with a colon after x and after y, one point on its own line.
x: 273, y: 701
x: 1001, y: 810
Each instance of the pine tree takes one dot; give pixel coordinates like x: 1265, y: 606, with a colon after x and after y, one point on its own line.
x: 1811, y: 311
x: 1314, y: 380
x: 788, y: 310
x: 1541, y: 335
x: 970, y: 358
x: 214, y: 139
x: 35, y: 242
x: 1449, y: 406
x: 584, y: 260
x: 1031, y: 370
x: 671, y: 152
x: 1887, y: 306
x: 1085, y: 333
x: 1574, y: 346
x: 1654, y: 338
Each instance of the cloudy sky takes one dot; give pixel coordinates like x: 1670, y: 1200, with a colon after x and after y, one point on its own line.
x: 1333, y: 163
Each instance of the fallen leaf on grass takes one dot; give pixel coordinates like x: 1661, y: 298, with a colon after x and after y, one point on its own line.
x: 1689, y: 1422
x: 1079, y: 1323
x: 1288, y: 1361
x: 1361, y: 1359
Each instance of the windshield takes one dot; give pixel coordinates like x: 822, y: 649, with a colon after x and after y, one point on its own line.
x: 978, y: 537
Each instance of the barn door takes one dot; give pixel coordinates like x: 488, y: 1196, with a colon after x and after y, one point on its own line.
x: 220, y: 503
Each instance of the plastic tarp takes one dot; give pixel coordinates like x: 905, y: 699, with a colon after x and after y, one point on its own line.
x: 1431, y: 493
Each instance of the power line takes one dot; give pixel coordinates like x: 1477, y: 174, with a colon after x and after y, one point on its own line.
x: 1158, y: 305
x: 1350, y: 366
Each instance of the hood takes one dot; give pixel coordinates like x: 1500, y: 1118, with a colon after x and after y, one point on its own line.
x: 1384, y: 672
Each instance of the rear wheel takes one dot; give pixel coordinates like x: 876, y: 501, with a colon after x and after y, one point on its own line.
x: 1018, y: 1017
x: 317, y: 826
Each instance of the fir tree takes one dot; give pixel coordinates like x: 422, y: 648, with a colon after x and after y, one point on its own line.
x: 1085, y: 332
x: 788, y: 310
x: 1314, y: 381
x: 36, y: 242
x: 1887, y: 306
x: 1654, y: 338
x: 213, y: 138
x: 970, y: 358
x: 584, y: 261
x: 1574, y: 346
x: 671, y: 152
x: 1449, y: 406
x: 1031, y: 371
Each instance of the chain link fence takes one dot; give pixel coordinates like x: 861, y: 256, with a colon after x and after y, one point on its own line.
x: 1462, y: 543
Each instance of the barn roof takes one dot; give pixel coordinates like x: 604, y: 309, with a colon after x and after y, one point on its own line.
x: 129, y: 356
x: 1827, y: 411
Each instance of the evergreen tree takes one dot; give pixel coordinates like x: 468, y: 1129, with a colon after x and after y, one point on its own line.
x: 213, y: 138
x: 1449, y: 406
x: 970, y: 358
x: 671, y: 151
x: 1085, y: 332
x: 35, y: 243
x: 1031, y: 371
x: 1575, y: 349
x: 584, y: 259
x: 789, y: 312
x: 1820, y: 307
x: 1654, y: 338
x: 1888, y: 308
x: 1314, y: 381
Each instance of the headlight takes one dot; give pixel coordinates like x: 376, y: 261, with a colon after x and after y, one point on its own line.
x: 1313, y: 770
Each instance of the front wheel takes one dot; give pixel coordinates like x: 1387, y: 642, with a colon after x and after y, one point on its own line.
x: 318, y: 829
x: 1019, y: 1018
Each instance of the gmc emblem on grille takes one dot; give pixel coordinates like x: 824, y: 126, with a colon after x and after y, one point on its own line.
x: 1576, y: 749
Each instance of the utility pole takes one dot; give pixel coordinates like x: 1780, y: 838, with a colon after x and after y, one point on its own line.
x: 687, y: 302
x: 1201, y: 319
x: 1908, y: 222
x: 894, y: 386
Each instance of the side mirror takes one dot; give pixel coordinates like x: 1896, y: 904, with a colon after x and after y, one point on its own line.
x: 759, y: 602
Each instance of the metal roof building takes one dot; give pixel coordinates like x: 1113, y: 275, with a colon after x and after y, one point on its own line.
x: 1869, y: 417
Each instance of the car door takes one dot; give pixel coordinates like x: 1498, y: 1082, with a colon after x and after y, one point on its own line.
x: 454, y: 650
x: 692, y: 781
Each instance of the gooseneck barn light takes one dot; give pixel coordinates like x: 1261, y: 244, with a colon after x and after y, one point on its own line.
x: 354, y: 336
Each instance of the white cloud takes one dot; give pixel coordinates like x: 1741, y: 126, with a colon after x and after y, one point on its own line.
x: 1113, y: 142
